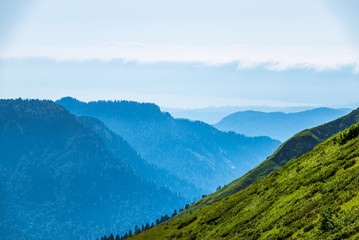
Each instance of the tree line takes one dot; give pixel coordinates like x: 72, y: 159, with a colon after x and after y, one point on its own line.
x: 148, y: 226
x: 144, y: 227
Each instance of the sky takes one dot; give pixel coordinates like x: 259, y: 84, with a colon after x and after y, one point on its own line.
x: 186, y: 54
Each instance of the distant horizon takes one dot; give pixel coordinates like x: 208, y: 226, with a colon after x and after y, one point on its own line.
x: 206, y: 107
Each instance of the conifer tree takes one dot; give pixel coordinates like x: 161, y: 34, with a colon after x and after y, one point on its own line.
x: 137, y: 230
x: 174, y: 213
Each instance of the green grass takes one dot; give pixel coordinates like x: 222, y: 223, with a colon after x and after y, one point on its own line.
x: 293, y: 148
x: 312, y: 197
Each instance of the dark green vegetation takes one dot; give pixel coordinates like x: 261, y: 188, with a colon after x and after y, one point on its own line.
x: 137, y: 229
x: 313, y: 197
x: 143, y: 169
x: 277, y: 125
x: 58, y: 180
x: 194, y: 151
x: 293, y: 148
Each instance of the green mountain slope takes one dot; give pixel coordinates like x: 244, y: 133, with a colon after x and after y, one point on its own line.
x: 312, y: 197
x: 293, y: 148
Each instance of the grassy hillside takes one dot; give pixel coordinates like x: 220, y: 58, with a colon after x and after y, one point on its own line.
x: 294, y: 147
x: 312, y: 197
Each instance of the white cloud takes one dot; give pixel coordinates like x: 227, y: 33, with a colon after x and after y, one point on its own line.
x: 276, y: 58
x: 126, y: 44
x: 248, y: 64
x: 356, y: 69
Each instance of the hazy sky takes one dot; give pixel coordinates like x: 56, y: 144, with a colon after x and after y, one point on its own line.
x: 182, y: 53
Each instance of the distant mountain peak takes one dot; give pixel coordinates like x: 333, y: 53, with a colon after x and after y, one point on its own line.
x: 277, y: 125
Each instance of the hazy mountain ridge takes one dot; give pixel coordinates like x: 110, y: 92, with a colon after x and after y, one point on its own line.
x: 312, y: 197
x: 213, y: 115
x: 192, y: 150
x: 277, y: 125
x: 59, y: 181
x: 145, y: 170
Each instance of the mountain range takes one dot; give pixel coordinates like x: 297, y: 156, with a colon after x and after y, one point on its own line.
x: 75, y: 170
x: 59, y: 180
x: 213, y: 115
x: 277, y: 125
x: 192, y: 150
